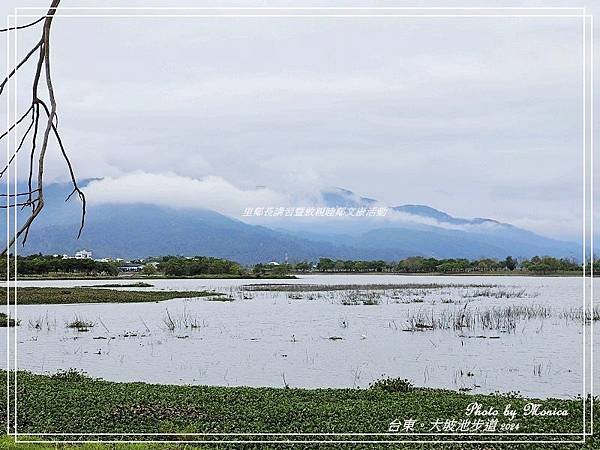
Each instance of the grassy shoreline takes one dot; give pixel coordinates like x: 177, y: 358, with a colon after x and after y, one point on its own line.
x: 72, y: 403
x: 76, y: 295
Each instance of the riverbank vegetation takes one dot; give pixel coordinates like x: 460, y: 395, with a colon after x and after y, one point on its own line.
x: 63, y: 295
x: 70, y: 402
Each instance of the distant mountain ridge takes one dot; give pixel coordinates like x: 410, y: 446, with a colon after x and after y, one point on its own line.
x: 428, y: 211
x: 141, y: 230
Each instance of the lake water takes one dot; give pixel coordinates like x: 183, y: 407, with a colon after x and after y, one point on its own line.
x: 513, y: 334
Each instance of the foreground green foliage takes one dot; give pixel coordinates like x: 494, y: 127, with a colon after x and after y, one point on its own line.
x: 60, y: 295
x: 70, y: 402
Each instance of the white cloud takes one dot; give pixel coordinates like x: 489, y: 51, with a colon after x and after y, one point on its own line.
x: 218, y: 194
x: 176, y: 191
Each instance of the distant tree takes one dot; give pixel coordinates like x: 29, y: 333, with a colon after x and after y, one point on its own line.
x: 454, y: 265
x: 149, y: 269
x: 379, y: 266
x: 486, y: 264
x: 413, y: 264
x: 349, y: 266
x: 325, y: 265
x: 510, y: 263
x: 548, y: 264
x: 259, y: 269
x: 303, y: 266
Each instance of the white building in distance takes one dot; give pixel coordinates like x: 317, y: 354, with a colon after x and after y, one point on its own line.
x: 83, y: 254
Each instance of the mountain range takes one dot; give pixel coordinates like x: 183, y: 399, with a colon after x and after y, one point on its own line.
x: 140, y: 230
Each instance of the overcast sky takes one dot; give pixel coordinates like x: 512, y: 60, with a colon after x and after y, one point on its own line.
x: 479, y: 117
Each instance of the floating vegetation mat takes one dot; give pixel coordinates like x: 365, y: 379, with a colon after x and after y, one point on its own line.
x: 61, y: 295
x: 353, y: 287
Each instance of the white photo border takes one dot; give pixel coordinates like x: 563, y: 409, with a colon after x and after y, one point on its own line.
x: 588, y: 106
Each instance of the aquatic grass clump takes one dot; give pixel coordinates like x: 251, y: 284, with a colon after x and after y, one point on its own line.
x: 169, y: 322
x: 594, y: 314
x: 42, y: 322
x: 182, y: 321
x: 392, y: 385
x: 6, y: 321
x: 506, y: 318
x: 195, y: 323
x: 357, y: 297
x: 80, y: 324
x: 219, y: 298
x: 406, y: 295
x: 503, y: 318
x: 421, y: 321
x: 579, y: 315
x: 36, y: 323
x: 499, y: 293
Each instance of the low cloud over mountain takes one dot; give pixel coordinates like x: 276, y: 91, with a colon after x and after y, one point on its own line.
x: 169, y: 221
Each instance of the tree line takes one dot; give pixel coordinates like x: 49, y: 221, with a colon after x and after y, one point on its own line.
x: 178, y: 266
x: 167, y: 265
x: 419, y: 264
x: 198, y: 265
x: 44, y: 264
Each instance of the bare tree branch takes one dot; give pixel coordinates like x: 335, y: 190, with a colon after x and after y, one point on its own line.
x: 32, y: 152
x: 20, y: 27
x: 12, y: 127
x: 17, y: 195
x: 23, y: 61
x: 76, y: 188
x: 19, y: 147
x: 50, y: 129
x: 27, y: 203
